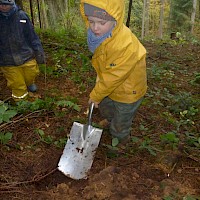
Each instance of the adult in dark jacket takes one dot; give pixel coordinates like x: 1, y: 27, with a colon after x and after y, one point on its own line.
x: 20, y: 50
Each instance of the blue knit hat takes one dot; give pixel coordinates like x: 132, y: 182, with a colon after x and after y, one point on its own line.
x: 94, y: 11
x: 7, y: 2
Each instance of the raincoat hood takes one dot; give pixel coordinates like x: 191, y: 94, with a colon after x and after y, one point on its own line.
x: 9, y: 13
x: 115, y: 8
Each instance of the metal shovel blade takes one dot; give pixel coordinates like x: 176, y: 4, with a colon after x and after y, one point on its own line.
x: 79, y: 151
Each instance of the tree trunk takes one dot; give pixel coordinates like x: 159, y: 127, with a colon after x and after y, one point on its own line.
x: 52, y: 17
x: 143, y: 19
x: 170, y: 13
x: 193, y: 16
x: 31, y: 9
x: 147, y: 17
x: 39, y: 13
x: 129, y: 13
x: 160, y: 32
x: 45, y: 23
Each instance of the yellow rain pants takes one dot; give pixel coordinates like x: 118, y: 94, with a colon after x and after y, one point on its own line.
x: 19, y: 77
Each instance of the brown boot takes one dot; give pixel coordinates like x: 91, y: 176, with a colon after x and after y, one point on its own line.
x: 120, y: 148
x: 123, y: 143
x: 104, y: 123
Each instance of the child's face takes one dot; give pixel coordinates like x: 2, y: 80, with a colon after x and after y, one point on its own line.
x: 100, y: 26
x: 5, y: 8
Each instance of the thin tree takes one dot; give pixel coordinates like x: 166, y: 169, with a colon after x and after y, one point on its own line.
x: 53, y: 13
x: 147, y: 17
x: 170, y: 14
x: 31, y: 9
x: 129, y: 13
x: 143, y: 18
x: 160, y: 32
x: 193, y: 16
x: 45, y: 22
x: 39, y: 13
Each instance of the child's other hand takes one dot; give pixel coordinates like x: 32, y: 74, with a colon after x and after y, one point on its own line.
x: 96, y: 104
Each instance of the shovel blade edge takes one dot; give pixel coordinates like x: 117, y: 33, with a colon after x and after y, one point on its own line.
x: 79, y: 152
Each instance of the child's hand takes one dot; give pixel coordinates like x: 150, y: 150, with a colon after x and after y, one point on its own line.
x: 40, y: 58
x: 96, y: 104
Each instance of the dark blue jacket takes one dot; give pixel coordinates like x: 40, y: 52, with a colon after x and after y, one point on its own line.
x: 18, y: 41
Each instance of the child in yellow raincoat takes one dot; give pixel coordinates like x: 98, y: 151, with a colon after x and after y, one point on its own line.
x: 120, y: 63
x: 20, y: 50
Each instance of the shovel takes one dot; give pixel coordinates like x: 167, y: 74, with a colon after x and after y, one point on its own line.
x: 79, y: 151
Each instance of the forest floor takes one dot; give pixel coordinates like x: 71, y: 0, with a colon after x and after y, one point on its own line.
x: 161, y: 162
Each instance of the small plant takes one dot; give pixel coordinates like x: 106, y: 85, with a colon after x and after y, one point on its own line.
x: 64, y: 103
x: 193, y: 140
x: 143, y: 128
x: 85, y: 63
x: 196, y: 79
x: 156, y: 72
x: 49, y: 140
x: 5, y: 137
x: 46, y: 104
x: 190, y: 112
x: 38, y: 104
x: 170, y: 118
x: 168, y: 198
x: 182, y: 101
x: 188, y: 197
x: 115, y: 142
x: 113, y: 150
x: 60, y: 143
x: 134, y: 139
x: 170, y: 138
x: 6, y: 114
x: 113, y: 146
x: 44, y: 138
x: 47, y: 70
x: 146, y: 145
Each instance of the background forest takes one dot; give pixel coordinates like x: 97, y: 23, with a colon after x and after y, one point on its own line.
x: 162, y: 159
x: 147, y: 18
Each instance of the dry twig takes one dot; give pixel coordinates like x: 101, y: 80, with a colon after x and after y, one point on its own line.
x: 14, y: 185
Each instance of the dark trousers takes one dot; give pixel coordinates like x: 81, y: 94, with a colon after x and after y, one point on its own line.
x: 120, y: 115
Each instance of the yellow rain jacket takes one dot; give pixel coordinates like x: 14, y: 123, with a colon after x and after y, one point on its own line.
x: 120, y: 61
